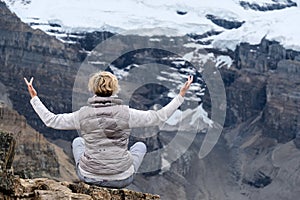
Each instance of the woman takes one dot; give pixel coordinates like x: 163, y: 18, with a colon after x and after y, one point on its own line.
x: 101, y: 153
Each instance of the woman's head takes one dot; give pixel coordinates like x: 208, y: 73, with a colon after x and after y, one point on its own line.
x: 103, y: 84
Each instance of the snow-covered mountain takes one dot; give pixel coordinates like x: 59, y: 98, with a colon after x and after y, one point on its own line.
x: 257, y: 154
x: 209, y: 23
x: 227, y: 22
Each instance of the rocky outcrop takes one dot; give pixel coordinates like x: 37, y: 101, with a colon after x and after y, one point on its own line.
x: 227, y: 24
x: 43, y: 189
x: 13, y: 187
x: 269, y: 76
x: 262, y: 57
x: 7, y: 146
x: 268, y: 6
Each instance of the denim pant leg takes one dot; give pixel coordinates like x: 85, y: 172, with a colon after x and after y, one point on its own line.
x: 138, y: 151
x: 78, y: 148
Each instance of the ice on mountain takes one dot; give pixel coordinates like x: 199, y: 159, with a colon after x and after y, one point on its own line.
x: 223, y: 61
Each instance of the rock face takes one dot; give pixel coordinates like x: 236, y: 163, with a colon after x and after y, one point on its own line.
x: 268, y: 78
x: 12, y: 187
x: 224, y: 23
x: 281, y: 115
x: 25, y: 53
x: 43, y: 159
x: 244, y: 99
x: 263, y: 120
x: 268, y: 6
x: 260, y: 141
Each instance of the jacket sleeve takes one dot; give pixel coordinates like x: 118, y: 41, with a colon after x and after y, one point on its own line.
x: 139, y: 118
x: 66, y: 121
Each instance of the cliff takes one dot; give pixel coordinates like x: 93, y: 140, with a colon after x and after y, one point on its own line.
x: 34, y: 155
x: 266, y: 81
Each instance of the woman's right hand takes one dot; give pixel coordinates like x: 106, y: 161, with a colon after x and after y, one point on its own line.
x: 186, y: 86
x: 31, y: 89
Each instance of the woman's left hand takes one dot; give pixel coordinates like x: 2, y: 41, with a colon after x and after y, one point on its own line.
x: 31, y: 89
x: 186, y: 86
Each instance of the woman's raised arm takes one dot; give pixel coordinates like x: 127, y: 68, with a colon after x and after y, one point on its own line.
x: 139, y: 118
x: 66, y: 121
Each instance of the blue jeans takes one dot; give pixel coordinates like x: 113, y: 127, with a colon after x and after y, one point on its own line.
x: 138, y: 151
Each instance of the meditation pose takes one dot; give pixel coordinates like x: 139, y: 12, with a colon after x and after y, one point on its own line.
x: 101, y: 152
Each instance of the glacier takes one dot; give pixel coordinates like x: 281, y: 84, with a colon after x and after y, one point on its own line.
x: 270, y: 19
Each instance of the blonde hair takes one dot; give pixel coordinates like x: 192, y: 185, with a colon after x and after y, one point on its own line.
x: 103, y: 84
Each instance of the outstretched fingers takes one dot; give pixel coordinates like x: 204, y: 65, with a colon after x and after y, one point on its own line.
x: 30, y: 82
x: 186, y: 86
x: 189, y: 82
x: 31, y: 90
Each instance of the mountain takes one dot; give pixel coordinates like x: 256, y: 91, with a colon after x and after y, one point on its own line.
x: 230, y: 21
x: 255, y: 156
